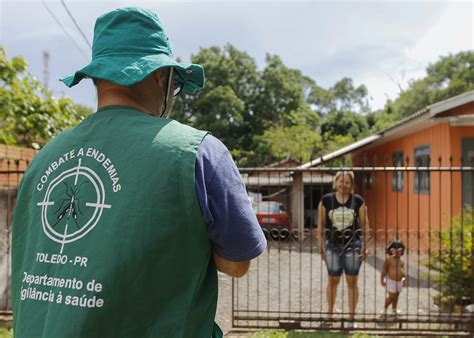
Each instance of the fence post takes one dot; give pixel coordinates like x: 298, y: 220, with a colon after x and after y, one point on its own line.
x: 297, y: 204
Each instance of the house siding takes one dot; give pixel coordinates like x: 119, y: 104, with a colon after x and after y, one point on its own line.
x: 407, y: 213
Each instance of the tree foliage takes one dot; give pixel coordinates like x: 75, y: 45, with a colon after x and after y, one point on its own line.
x: 297, y: 141
x: 264, y: 115
x: 29, y: 114
x: 343, y: 96
x: 450, y: 76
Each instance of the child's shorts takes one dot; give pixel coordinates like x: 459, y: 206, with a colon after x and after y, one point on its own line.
x: 338, y: 261
x: 393, y: 286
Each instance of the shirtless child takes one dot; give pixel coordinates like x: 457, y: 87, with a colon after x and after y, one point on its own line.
x: 393, y: 274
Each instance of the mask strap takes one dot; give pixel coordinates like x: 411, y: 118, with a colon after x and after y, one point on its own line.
x: 168, y: 87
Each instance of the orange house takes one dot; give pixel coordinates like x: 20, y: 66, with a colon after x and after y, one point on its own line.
x: 411, y: 202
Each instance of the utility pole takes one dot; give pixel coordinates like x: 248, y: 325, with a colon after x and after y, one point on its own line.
x: 46, y: 69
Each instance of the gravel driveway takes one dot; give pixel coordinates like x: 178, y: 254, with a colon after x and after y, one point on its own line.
x: 291, y: 280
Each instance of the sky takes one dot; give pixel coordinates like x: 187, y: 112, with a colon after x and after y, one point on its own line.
x: 380, y: 44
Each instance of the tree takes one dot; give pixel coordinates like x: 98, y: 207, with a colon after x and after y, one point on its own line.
x: 224, y: 105
x: 281, y: 93
x: 344, y: 109
x: 342, y: 96
x: 284, y: 124
x: 262, y: 115
x: 222, y: 113
x: 29, y: 114
x: 344, y: 123
x: 450, y: 76
x: 240, y: 103
x: 381, y: 119
x: 298, y: 142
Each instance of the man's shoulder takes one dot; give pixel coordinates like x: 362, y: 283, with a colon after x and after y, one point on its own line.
x: 176, y: 123
x: 184, y: 128
x: 211, y: 145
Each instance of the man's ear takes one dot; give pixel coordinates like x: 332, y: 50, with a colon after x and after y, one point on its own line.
x: 159, y: 76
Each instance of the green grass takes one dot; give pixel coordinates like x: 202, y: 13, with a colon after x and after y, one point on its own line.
x: 270, y: 334
x: 5, y: 333
x: 292, y: 334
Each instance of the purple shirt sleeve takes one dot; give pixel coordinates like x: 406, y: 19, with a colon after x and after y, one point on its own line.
x: 232, y: 224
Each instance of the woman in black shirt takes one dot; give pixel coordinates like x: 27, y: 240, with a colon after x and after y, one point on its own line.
x: 341, y: 222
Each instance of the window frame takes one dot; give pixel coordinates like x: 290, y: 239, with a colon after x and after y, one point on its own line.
x: 397, y: 176
x: 421, y: 181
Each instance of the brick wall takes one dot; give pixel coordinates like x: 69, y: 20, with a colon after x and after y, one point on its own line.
x: 13, y: 161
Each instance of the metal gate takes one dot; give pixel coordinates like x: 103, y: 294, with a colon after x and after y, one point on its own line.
x: 286, y: 286
x: 10, y: 175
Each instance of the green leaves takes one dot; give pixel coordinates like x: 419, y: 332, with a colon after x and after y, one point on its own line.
x: 342, y: 96
x: 450, y: 76
x: 252, y: 111
x: 298, y: 142
x: 276, y: 112
x: 29, y: 114
x: 453, y: 259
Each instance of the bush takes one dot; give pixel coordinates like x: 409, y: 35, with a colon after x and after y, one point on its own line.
x: 453, y: 262
x: 6, y: 333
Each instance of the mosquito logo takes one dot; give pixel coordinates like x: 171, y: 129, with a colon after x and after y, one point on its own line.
x: 79, y: 211
x: 70, y: 205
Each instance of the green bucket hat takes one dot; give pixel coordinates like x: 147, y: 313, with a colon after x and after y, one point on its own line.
x: 129, y: 44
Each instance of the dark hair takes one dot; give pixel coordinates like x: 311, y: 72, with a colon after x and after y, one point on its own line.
x: 395, y: 244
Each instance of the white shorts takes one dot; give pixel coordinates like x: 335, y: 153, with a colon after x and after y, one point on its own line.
x: 394, y: 286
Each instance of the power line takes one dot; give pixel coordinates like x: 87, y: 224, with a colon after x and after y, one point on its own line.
x: 75, y: 23
x: 64, y: 30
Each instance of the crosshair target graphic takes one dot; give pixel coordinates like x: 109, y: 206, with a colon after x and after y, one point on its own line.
x: 73, y: 204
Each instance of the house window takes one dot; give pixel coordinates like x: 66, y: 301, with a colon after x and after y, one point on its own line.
x: 397, y: 176
x: 422, y: 177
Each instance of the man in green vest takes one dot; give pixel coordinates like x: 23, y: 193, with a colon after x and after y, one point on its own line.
x: 122, y: 222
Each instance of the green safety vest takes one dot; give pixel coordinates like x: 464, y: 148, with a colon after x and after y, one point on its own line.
x: 108, y: 236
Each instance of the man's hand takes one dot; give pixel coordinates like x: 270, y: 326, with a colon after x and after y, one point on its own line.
x: 234, y: 269
x: 384, y: 283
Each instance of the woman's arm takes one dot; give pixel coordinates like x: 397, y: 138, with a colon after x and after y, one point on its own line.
x: 321, y: 227
x: 368, y: 232
x: 384, y: 272
x: 362, y: 222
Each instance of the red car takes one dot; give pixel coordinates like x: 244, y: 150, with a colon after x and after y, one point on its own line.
x: 273, y: 219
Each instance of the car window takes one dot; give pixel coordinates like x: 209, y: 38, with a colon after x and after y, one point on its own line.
x: 268, y: 208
